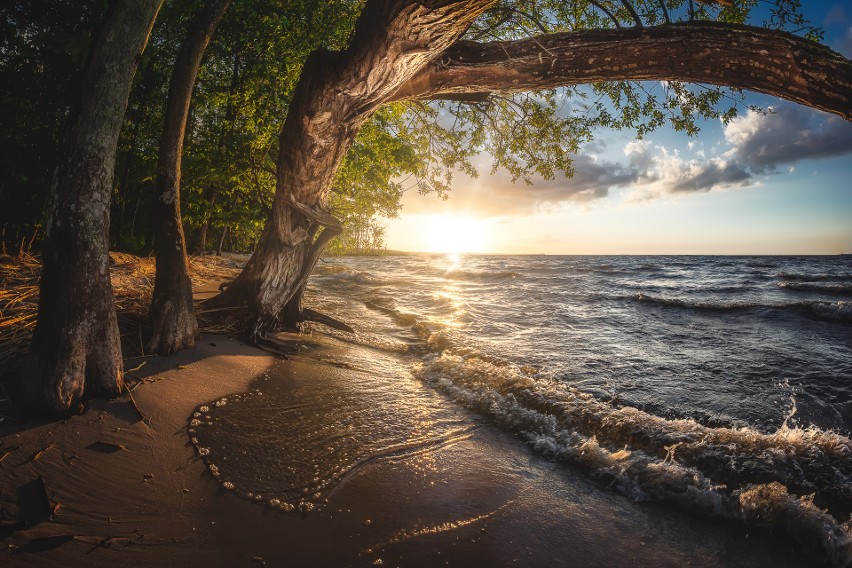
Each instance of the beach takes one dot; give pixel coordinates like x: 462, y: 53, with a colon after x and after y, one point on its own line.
x: 130, y: 492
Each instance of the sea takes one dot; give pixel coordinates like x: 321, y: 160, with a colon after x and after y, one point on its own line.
x: 720, y: 385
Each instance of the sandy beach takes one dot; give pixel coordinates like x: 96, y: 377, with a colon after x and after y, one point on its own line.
x: 128, y: 492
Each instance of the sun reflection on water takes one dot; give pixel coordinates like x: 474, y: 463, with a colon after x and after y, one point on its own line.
x: 449, y: 295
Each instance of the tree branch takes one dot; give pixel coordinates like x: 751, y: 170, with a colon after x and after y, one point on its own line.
x: 603, y: 9
x: 767, y: 61
x: 629, y: 7
x: 665, y: 12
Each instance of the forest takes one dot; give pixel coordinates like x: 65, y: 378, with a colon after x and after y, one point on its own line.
x: 287, y: 130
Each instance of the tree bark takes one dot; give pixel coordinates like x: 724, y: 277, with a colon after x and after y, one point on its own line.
x: 172, y: 313
x: 336, y: 94
x: 758, y: 59
x: 76, y: 347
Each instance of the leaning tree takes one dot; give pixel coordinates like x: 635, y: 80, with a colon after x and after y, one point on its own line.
x: 403, y: 50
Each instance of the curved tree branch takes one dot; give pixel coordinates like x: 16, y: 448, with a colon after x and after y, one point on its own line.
x: 603, y: 9
x: 629, y: 7
x: 766, y: 61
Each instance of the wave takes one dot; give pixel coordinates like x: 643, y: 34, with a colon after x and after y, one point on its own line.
x: 831, y: 311
x: 338, y: 272
x: 837, y: 311
x: 481, y: 276
x: 401, y: 318
x: 819, y: 277
x: 762, y: 264
x: 795, y: 480
x: 824, y: 287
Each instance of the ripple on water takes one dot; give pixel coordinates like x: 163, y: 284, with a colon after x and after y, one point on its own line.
x: 290, y: 446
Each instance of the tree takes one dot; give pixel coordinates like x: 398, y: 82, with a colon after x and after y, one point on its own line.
x: 410, y: 51
x: 337, y: 92
x: 172, y: 313
x: 76, y: 346
x: 42, y: 54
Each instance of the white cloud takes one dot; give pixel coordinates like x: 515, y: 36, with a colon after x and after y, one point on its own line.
x: 790, y: 133
x: 754, y: 145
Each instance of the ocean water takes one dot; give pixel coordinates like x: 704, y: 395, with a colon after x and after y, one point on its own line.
x: 719, y: 385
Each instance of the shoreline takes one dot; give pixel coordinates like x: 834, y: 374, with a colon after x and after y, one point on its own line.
x: 128, y: 492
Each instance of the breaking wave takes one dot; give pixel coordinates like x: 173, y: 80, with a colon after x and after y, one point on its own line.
x: 795, y: 480
x: 338, y: 272
x: 838, y: 311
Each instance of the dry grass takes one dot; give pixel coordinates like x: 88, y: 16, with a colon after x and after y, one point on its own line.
x: 18, y: 306
x: 132, y: 282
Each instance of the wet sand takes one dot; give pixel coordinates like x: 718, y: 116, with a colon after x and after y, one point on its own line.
x: 133, y: 493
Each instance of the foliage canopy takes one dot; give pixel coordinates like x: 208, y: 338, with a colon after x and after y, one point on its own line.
x: 244, y: 88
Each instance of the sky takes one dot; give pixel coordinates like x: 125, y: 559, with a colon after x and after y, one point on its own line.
x: 777, y: 183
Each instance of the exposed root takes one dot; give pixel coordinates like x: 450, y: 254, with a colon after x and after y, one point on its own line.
x: 313, y: 315
x: 132, y: 281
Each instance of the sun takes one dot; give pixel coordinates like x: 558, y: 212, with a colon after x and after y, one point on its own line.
x: 453, y: 234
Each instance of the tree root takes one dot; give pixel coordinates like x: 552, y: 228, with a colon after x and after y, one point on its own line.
x: 313, y: 315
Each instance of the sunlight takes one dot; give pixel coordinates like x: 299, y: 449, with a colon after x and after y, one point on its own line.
x: 452, y: 235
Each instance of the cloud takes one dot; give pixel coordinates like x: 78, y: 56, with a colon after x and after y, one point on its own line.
x: 716, y: 173
x: 759, y: 144
x: 592, y: 179
x: 497, y: 194
x: 754, y: 145
x: 666, y: 172
x: 792, y: 133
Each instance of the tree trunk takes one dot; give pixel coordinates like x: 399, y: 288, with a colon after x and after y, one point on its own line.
x: 222, y: 240
x: 172, y: 313
x: 76, y: 347
x: 336, y: 94
x: 202, y: 238
x: 768, y: 61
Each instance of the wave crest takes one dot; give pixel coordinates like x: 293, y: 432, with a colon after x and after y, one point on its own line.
x: 824, y: 287
x: 737, y: 473
x: 820, y: 277
x: 840, y: 311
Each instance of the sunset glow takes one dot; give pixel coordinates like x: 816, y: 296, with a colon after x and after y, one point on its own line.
x: 446, y: 233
